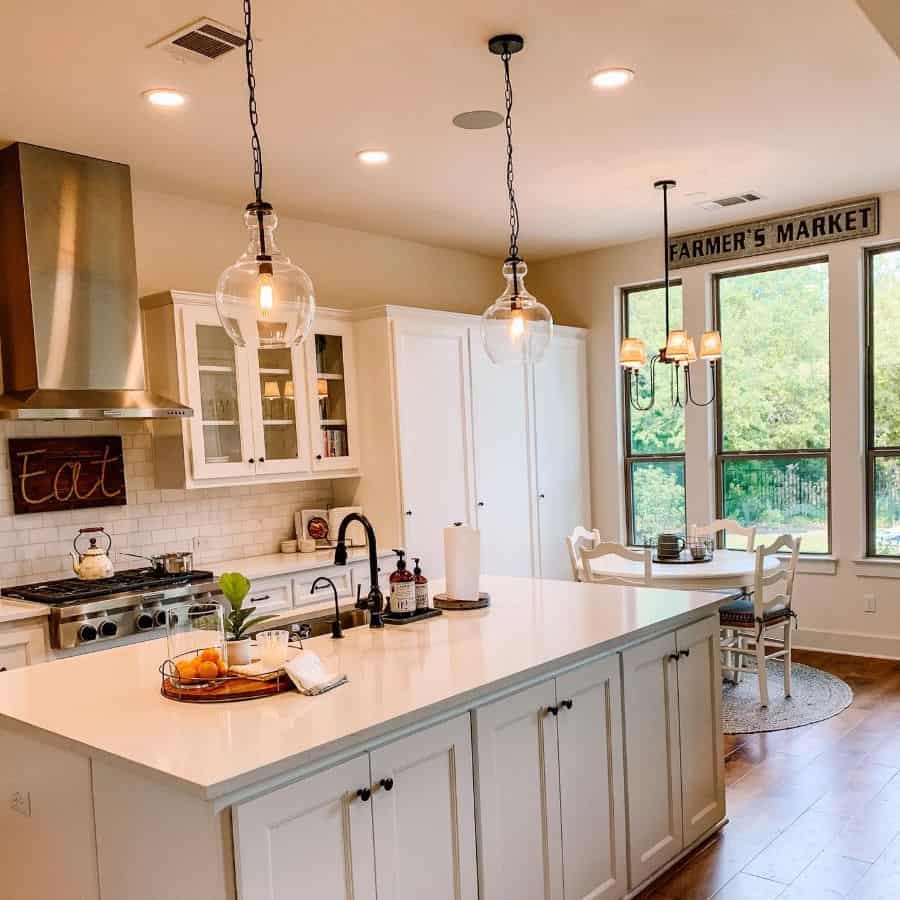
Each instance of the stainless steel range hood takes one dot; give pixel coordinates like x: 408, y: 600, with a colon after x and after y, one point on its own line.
x: 70, y: 332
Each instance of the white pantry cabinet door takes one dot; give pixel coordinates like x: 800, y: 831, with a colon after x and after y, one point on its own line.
x: 435, y: 439
x: 425, y: 815
x: 561, y: 438
x: 700, y: 711
x: 309, y: 839
x: 505, y: 510
x: 592, y: 781
x: 517, y: 778
x: 652, y: 751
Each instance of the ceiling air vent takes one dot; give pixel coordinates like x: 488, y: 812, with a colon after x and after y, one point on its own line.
x: 204, y: 40
x: 736, y: 200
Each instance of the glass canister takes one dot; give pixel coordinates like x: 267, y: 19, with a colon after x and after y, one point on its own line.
x: 199, y: 629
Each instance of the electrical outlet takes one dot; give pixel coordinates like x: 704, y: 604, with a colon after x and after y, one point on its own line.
x: 869, y: 600
x: 20, y: 802
x: 199, y: 544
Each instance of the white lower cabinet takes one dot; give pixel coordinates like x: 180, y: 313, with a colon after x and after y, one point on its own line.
x: 22, y: 645
x: 551, y: 789
x: 413, y: 824
x: 675, y: 777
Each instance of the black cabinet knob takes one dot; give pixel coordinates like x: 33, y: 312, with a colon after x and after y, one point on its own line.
x: 364, y: 794
x: 318, y: 456
x: 553, y: 710
x: 387, y: 783
x: 568, y: 704
x: 540, y: 496
x: 481, y: 502
x: 262, y: 459
x: 674, y: 656
x: 2, y: 668
x: 251, y: 460
x: 684, y: 652
x: 409, y: 512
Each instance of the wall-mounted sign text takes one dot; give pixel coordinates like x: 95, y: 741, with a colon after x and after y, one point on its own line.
x: 66, y: 473
x: 808, y: 228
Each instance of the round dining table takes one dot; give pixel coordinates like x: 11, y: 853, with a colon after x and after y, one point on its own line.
x: 727, y: 569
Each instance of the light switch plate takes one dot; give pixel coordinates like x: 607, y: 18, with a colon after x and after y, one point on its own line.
x: 869, y: 600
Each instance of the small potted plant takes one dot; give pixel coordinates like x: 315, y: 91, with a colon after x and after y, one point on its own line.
x: 235, y: 587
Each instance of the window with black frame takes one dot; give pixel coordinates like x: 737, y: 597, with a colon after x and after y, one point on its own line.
x: 774, y: 416
x: 883, y: 410
x: 654, y: 439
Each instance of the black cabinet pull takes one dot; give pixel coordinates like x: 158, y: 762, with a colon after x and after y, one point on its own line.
x: 387, y: 783
x: 364, y: 794
x: 553, y: 710
x: 568, y: 704
x: 2, y: 668
x: 262, y: 459
x: 540, y: 496
x: 481, y: 502
x: 251, y: 460
x: 674, y: 656
x: 409, y: 512
x: 684, y: 652
x: 318, y: 456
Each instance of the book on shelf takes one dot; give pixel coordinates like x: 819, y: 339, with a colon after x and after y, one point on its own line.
x: 334, y: 442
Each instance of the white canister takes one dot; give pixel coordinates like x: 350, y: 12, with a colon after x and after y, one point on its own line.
x: 462, y: 561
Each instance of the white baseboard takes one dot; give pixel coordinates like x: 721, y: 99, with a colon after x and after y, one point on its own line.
x: 851, y: 643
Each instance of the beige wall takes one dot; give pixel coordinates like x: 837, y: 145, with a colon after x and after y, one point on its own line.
x: 585, y: 288
x: 184, y: 244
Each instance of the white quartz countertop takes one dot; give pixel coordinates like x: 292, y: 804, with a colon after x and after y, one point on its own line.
x: 17, y: 610
x: 273, y: 564
x: 108, y: 703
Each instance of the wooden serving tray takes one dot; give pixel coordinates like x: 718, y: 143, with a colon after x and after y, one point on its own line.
x: 229, y: 690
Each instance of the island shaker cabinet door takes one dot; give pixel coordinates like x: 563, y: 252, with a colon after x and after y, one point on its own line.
x: 312, y: 838
x: 700, y: 711
x: 592, y: 781
x: 423, y: 803
x: 517, y: 779
x: 652, y: 755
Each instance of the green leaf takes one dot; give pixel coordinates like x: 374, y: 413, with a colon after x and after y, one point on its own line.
x: 235, y: 587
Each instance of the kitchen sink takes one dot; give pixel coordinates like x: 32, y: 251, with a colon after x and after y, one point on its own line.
x: 319, y: 622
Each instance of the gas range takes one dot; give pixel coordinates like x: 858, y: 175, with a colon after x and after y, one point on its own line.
x: 133, y: 601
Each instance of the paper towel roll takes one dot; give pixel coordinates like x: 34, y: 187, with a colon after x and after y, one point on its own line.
x: 462, y: 561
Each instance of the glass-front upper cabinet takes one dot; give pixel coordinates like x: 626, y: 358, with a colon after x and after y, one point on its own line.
x: 329, y: 357
x: 221, y: 427
x: 279, y: 390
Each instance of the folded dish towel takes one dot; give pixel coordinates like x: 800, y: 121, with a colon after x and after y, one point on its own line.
x: 309, y: 675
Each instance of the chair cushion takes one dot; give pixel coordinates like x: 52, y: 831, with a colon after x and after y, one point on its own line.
x: 739, y: 613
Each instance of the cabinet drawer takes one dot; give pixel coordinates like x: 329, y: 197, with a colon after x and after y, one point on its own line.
x: 22, y: 646
x: 303, y: 583
x: 276, y: 590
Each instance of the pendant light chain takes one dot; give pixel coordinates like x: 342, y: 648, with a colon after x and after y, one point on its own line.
x: 510, y: 181
x: 665, y: 191
x: 254, y: 114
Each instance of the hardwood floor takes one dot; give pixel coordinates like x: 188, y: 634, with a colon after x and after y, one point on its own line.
x: 815, y: 811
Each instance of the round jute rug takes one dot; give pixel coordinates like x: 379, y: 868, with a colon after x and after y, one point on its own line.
x: 816, y: 695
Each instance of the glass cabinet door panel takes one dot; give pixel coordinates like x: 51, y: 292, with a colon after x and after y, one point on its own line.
x: 331, y: 396
x: 219, y: 397
x: 278, y: 389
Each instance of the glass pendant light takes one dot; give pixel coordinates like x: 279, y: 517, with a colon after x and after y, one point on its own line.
x: 263, y: 299
x: 517, y: 327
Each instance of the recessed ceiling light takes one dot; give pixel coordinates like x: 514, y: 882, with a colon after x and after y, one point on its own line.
x: 373, y: 157
x: 477, y: 119
x: 613, y: 77
x: 165, y: 97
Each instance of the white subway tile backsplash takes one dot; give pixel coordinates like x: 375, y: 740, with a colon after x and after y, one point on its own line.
x: 231, y: 521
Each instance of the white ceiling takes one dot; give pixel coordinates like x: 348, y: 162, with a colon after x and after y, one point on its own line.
x: 797, y: 100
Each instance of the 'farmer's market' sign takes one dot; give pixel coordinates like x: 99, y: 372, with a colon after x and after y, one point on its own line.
x: 789, y: 232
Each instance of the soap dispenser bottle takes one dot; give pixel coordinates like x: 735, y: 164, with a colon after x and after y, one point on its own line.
x: 403, y: 588
x: 421, y: 586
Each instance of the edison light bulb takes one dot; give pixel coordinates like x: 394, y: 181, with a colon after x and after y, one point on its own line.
x: 517, y: 328
x: 266, y: 288
x: 264, y: 299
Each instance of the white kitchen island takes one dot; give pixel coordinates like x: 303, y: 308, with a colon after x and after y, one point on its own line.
x: 564, y: 743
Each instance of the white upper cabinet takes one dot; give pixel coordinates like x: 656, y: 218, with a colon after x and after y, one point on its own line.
x: 260, y: 414
x: 435, y: 434
x: 504, y: 509
x: 329, y: 354
x: 561, y: 448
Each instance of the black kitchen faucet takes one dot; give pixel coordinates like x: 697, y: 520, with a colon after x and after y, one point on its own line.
x: 374, y: 602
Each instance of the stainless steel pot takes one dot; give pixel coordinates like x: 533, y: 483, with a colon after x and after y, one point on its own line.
x: 169, y: 563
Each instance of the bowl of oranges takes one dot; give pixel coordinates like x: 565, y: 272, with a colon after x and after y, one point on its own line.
x: 197, y: 669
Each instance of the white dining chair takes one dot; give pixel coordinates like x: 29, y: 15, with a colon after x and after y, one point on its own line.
x: 731, y: 526
x: 747, y: 621
x: 608, y: 548
x: 580, y: 537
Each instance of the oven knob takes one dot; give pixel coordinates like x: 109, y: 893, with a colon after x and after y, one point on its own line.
x: 159, y: 618
x: 87, y: 633
x: 108, y: 628
x: 144, y: 621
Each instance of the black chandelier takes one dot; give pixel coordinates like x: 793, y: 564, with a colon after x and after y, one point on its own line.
x: 678, y: 353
